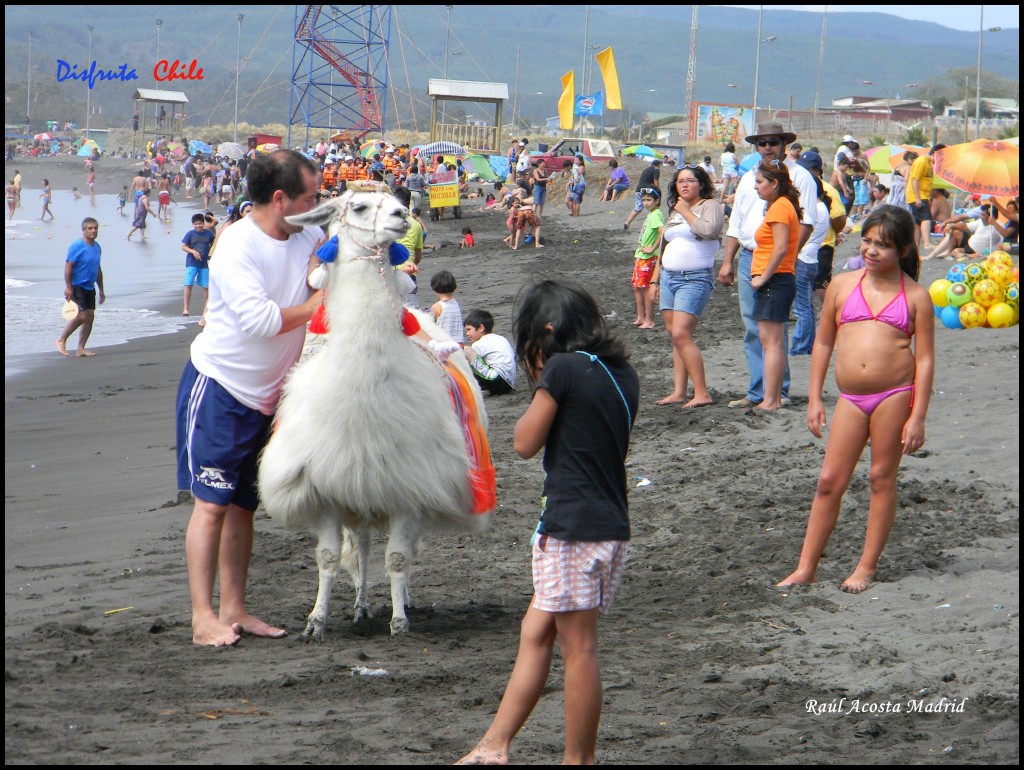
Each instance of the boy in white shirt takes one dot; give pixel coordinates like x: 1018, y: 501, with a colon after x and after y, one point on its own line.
x: 490, y: 355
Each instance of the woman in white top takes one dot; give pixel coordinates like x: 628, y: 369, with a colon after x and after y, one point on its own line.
x: 806, y: 275
x: 730, y: 172
x: 684, y: 276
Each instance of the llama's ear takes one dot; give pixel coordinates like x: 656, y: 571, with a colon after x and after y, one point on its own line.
x: 321, y: 215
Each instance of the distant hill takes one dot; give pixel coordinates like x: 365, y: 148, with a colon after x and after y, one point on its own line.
x: 651, y: 45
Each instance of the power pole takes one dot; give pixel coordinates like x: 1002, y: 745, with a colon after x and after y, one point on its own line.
x: 691, y: 68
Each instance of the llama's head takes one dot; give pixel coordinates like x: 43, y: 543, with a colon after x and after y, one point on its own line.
x: 366, y: 219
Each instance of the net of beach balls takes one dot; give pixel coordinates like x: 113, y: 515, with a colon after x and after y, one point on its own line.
x: 979, y: 294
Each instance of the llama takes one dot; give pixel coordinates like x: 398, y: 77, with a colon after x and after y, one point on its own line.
x: 366, y: 435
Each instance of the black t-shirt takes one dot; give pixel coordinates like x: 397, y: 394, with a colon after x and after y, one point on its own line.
x: 585, y: 453
x: 649, y: 177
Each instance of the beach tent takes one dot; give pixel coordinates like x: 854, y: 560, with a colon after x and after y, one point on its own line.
x: 500, y: 166
x: 479, y: 165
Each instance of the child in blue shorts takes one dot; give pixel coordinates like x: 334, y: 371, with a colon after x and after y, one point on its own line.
x: 196, y: 245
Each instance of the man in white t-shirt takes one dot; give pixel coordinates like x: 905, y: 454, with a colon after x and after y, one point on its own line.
x: 259, y: 305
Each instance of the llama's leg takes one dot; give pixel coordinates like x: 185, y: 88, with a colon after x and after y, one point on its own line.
x: 398, y: 561
x: 328, y: 553
x: 355, y: 556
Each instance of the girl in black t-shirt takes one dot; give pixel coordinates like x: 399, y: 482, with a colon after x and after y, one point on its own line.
x: 581, y: 415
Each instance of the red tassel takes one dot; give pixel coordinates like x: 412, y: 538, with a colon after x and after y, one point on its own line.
x: 318, y: 323
x: 410, y: 325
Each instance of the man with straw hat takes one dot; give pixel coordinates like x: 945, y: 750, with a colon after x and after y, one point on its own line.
x: 747, y: 215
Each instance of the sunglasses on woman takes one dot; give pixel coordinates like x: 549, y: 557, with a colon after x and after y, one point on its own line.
x: 773, y: 142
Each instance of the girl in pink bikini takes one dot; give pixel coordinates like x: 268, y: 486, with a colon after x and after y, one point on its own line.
x: 871, y: 316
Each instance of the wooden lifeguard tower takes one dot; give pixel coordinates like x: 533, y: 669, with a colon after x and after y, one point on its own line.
x: 160, y: 114
x: 475, y: 138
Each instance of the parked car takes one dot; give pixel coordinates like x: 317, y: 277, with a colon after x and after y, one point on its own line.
x: 597, y: 150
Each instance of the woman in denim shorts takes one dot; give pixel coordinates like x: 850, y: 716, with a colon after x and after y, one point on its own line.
x: 684, y: 274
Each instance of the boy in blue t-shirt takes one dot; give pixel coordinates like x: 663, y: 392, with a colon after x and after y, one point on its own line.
x: 196, y: 245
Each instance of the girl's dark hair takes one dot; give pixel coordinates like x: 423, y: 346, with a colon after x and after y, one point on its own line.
x: 558, y: 316
x: 776, y: 171
x: 896, y: 229
x: 707, y: 190
x: 467, y: 231
x: 730, y: 147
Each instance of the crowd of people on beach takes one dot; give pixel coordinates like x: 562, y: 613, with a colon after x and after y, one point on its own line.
x: 779, y: 224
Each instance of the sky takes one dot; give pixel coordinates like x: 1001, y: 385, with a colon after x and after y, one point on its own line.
x: 965, y: 17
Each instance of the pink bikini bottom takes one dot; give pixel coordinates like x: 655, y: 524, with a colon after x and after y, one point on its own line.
x: 869, y: 402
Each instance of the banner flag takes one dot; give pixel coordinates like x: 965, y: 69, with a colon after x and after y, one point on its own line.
x: 590, y: 105
x: 606, y: 61
x: 565, y: 101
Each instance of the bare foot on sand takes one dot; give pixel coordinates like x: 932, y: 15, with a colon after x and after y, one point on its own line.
x: 672, y: 398
x: 215, y: 634
x: 647, y: 326
x: 638, y: 321
x: 798, y: 578
x: 256, y: 627
x: 482, y: 756
x: 62, y: 347
x: 857, y: 582
x: 84, y: 353
x: 761, y: 407
x: 693, y: 403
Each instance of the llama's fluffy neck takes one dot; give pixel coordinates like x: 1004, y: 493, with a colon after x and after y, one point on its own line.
x: 362, y: 299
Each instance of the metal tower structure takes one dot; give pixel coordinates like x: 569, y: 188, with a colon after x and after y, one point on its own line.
x: 340, y: 69
x: 691, y: 67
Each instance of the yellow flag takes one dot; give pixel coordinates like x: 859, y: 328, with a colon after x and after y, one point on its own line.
x: 606, y: 61
x: 566, y: 102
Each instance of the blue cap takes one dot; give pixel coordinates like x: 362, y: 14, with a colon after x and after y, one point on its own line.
x: 810, y: 160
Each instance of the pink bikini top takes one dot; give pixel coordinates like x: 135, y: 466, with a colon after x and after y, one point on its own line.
x: 896, y: 313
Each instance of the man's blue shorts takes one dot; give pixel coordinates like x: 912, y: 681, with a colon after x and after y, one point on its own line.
x: 219, y: 442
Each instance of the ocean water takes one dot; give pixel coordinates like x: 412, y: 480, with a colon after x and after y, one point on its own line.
x: 138, y: 277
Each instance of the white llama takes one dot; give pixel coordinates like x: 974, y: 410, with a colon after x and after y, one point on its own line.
x: 366, y: 434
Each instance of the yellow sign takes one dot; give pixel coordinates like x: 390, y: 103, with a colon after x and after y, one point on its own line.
x: 442, y: 195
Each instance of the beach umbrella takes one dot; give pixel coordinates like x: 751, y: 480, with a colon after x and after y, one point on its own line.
x: 640, y: 151
x: 175, y: 148
x: 194, y: 146
x: 231, y: 150
x: 984, y: 166
x: 884, y: 158
x: 443, y: 148
x: 748, y: 162
x: 268, y: 147
x: 43, y: 137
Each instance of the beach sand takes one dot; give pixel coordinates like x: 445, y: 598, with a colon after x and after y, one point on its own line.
x: 703, y: 661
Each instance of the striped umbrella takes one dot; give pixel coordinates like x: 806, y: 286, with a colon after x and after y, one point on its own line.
x: 443, y: 148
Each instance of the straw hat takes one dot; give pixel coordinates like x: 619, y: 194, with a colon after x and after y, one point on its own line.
x: 771, y: 129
